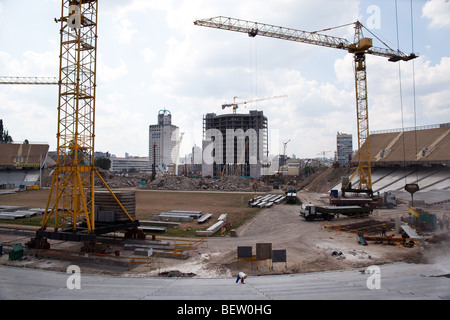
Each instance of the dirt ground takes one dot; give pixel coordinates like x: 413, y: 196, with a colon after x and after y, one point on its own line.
x: 309, y: 246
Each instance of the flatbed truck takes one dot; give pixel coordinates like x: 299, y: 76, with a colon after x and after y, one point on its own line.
x: 311, y: 212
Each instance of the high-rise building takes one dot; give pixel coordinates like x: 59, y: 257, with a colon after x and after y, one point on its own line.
x: 235, y: 144
x: 163, y: 144
x: 344, y: 148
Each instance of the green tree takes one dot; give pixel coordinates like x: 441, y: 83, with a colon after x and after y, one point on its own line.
x: 4, y: 135
x: 103, y: 163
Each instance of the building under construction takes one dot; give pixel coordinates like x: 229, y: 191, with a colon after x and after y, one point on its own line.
x: 235, y: 144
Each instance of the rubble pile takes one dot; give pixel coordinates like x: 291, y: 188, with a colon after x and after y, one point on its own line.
x: 118, y: 181
x: 226, y: 183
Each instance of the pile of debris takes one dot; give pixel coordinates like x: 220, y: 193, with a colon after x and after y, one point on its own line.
x: 119, y: 181
x: 226, y: 183
x: 323, y: 180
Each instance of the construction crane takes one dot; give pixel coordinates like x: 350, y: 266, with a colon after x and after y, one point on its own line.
x: 323, y: 154
x: 285, y: 147
x: 359, y: 48
x: 29, y: 80
x: 72, y: 188
x: 235, y: 105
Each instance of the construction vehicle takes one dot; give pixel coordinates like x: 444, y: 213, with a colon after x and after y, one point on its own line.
x: 359, y: 48
x: 291, y: 196
x: 311, y: 212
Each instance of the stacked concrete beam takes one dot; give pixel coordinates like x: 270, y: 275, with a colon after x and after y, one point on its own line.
x: 178, y: 216
x: 267, y: 201
x: 211, y: 230
x: 14, y: 212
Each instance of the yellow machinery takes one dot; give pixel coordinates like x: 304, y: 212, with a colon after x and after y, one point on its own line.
x: 360, y: 47
x: 73, y: 180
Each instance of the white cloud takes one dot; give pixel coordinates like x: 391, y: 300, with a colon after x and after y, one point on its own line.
x: 438, y: 11
x: 30, y: 64
x: 107, y: 74
x: 148, y: 54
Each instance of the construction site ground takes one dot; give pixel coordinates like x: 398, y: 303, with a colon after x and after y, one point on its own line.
x: 310, y: 247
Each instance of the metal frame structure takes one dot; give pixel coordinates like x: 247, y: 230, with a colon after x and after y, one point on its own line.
x: 29, y: 80
x: 74, y: 176
x: 360, y: 47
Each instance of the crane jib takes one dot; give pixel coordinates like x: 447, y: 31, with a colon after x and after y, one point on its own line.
x: 254, y: 29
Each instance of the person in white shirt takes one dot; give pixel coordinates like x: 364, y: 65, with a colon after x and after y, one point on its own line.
x: 241, y: 276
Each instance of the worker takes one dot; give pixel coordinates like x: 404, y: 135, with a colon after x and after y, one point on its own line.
x: 383, y: 230
x: 241, y: 276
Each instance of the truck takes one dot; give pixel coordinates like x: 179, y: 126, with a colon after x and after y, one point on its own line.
x: 311, y: 212
x: 291, y: 196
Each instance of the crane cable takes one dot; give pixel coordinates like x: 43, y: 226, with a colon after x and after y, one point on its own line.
x: 401, y: 90
x: 414, y: 83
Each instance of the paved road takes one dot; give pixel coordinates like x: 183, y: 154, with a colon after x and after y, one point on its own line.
x: 397, y: 281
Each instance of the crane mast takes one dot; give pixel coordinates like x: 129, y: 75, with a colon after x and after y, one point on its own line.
x: 360, y: 47
x: 73, y: 179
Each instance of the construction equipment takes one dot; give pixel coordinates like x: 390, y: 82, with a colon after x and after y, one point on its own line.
x: 235, y: 105
x: 285, y: 148
x: 291, y: 196
x: 310, y: 212
x: 387, y: 200
x: 73, y: 178
x: 359, y: 47
x: 29, y: 80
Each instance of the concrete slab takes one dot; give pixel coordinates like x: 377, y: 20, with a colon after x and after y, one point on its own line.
x: 397, y: 282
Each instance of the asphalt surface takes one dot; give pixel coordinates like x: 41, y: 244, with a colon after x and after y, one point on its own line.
x: 399, y: 281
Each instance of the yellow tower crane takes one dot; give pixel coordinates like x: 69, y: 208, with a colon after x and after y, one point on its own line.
x: 359, y: 47
x: 72, y: 188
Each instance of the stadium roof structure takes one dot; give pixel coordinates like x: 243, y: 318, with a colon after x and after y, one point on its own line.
x: 408, y: 147
x: 22, y: 155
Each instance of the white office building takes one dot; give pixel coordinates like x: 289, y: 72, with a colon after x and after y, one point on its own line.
x: 129, y: 165
x: 164, y: 143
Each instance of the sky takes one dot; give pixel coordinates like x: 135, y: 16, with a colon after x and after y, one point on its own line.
x: 152, y: 57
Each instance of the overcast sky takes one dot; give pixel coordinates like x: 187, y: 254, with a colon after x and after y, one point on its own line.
x: 152, y: 57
